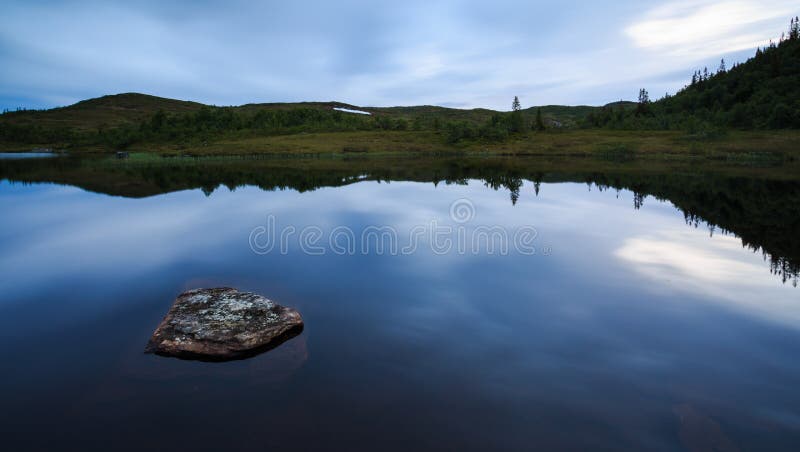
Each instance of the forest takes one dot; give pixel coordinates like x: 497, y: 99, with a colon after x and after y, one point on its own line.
x: 762, y: 93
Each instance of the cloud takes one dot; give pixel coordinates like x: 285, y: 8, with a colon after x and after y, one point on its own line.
x: 702, y: 29
x: 453, y: 52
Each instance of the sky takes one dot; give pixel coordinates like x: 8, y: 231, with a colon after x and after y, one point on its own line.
x: 454, y: 53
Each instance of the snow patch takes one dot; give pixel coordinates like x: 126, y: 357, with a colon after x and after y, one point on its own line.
x: 348, y: 110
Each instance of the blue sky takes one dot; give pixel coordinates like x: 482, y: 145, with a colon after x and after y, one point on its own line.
x: 453, y: 52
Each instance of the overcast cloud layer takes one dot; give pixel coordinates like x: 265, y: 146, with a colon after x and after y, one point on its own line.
x: 452, y: 53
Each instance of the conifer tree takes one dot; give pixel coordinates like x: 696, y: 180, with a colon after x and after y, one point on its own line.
x: 517, y: 121
x: 644, y: 96
x: 539, y: 121
x: 644, y: 100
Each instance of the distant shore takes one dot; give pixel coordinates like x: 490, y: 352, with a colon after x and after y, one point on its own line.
x: 776, y: 145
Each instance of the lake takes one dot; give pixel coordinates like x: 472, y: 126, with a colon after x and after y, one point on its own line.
x: 465, y: 304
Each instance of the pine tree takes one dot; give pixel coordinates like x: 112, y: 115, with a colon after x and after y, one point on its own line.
x: 517, y: 121
x: 644, y: 100
x: 722, y: 69
x: 539, y: 121
x: 644, y: 96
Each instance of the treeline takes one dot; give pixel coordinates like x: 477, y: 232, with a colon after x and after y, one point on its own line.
x: 19, y: 110
x: 205, y: 125
x: 215, y: 123
x: 498, y: 128
x: 762, y: 93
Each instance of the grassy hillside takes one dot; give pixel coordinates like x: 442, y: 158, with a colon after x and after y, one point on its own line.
x: 315, y: 128
x: 764, y: 92
x: 761, y: 93
x: 132, y: 108
x: 119, y: 121
x: 106, y: 111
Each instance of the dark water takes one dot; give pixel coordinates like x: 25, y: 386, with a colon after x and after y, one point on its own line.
x: 619, y: 325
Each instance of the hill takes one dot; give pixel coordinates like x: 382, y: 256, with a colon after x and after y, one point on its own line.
x: 761, y: 93
x: 128, y: 108
x: 106, y: 111
x: 119, y: 120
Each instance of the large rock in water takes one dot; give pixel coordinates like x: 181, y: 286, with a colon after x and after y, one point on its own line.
x: 223, y: 324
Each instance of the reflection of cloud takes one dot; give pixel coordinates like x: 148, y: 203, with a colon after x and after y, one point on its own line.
x: 707, y: 28
x: 717, y: 267
x: 686, y: 261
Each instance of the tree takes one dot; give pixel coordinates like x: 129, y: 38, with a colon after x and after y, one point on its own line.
x: 539, y: 121
x: 644, y: 101
x: 722, y: 68
x: 157, y: 121
x: 517, y: 121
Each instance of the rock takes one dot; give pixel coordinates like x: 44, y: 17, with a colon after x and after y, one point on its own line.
x: 223, y: 324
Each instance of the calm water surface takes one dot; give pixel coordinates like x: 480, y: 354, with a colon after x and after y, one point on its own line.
x: 627, y: 329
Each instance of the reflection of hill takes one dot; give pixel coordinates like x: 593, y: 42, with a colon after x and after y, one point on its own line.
x: 758, y: 205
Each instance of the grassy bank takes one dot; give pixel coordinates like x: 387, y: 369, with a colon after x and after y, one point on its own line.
x: 747, y: 145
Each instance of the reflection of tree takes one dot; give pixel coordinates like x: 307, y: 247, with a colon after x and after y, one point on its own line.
x: 762, y: 212
x: 508, y: 182
x: 638, y: 200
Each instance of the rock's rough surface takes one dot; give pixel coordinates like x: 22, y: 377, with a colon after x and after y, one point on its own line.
x: 223, y: 324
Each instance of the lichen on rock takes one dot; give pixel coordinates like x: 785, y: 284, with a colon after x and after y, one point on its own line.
x: 223, y: 324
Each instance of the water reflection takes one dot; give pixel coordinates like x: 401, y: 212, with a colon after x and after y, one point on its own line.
x: 635, y: 332
x: 757, y: 206
x: 691, y: 263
